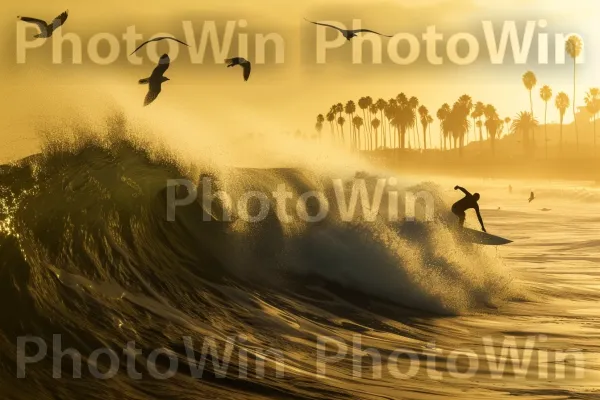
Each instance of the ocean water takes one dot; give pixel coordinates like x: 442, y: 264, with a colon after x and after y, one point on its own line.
x: 197, y: 307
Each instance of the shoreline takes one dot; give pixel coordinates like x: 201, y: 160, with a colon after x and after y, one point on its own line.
x: 450, y: 164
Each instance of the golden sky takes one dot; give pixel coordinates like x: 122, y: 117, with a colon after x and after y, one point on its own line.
x: 214, y: 100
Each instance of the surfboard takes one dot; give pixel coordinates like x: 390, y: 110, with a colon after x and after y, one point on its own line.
x: 483, y: 238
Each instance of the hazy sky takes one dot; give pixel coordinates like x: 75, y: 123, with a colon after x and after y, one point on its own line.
x: 279, y: 97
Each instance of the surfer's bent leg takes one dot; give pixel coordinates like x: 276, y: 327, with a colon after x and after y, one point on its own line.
x: 460, y: 214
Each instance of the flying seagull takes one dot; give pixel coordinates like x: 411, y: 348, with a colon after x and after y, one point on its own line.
x: 156, y: 79
x: 46, y: 30
x: 157, y: 39
x: 240, y: 61
x: 348, y: 34
x: 531, y: 197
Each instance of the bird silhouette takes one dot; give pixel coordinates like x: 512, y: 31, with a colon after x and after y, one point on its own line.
x: 246, y: 65
x: 46, y: 29
x: 348, y: 33
x: 156, y: 79
x: 531, y: 197
x: 156, y: 39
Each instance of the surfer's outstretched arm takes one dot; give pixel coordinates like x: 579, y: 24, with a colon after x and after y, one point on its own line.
x: 480, y: 219
x: 462, y: 189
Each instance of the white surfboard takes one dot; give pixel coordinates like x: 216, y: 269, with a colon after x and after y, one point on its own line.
x: 479, y: 237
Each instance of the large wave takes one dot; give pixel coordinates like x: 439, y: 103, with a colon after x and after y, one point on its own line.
x: 88, y: 251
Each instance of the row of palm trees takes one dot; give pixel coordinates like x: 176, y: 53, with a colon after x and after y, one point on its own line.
x: 395, y: 123
x: 573, y: 47
x: 402, y: 123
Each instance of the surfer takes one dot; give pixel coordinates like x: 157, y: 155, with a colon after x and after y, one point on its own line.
x: 469, y: 201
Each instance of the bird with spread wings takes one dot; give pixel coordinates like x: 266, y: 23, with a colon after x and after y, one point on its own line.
x: 348, y: 33
x: 245, y: 64
x: 156, y: 79
x: 46, y: 29
x: 156, y: 39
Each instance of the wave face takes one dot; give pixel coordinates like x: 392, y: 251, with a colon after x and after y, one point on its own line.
x: 87, y: 252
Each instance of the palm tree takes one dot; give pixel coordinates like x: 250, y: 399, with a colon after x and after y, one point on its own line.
x: 562, y: 103
x: 461, y: 122
x: 375, y: 124
x: 429, y: 122
x: 404, y: 118
x: 358, y: 123
x: 524, y: 123
x: 592, y: 104
x: 389, y: 115
x: 466, y: 100
x: 364, y: 103
x: 349, y: 110
x: 546, y: 95
x: 381, y: 104
x: 373, y: 112
x: 414, y: 104
x: 442, y: 114
x: 423, y: 114
x: 493, y: 125
x: 331, y: 119
x: 530, y: 80
x: 339, y: 109
x: 507, y: 123
x: 574, y: 46
x: 341, y: 121
x: 457, y: 124
x: 319, y: 124
x: 479, y: 108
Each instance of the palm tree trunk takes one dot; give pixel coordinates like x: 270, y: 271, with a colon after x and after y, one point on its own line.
x: 546, y: 128
x: 382, y: 127
x: 402, y: 137
x: 561, y: 136
x: 574, y: 101
x: 430, y: 142
x: 594, y: 135
x: 533, y: 129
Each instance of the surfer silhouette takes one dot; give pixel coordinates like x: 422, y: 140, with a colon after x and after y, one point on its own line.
x: 469, y: 201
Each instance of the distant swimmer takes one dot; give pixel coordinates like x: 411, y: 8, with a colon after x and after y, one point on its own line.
x: 469, y: 201
x: 156, y: 79
x: 348, y: 34
x: 232, y: 62
x: 156, y: 39
x: 46, y: 30
x: 531, y: 197
x: 546, y: 209
x: 510, y: 189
